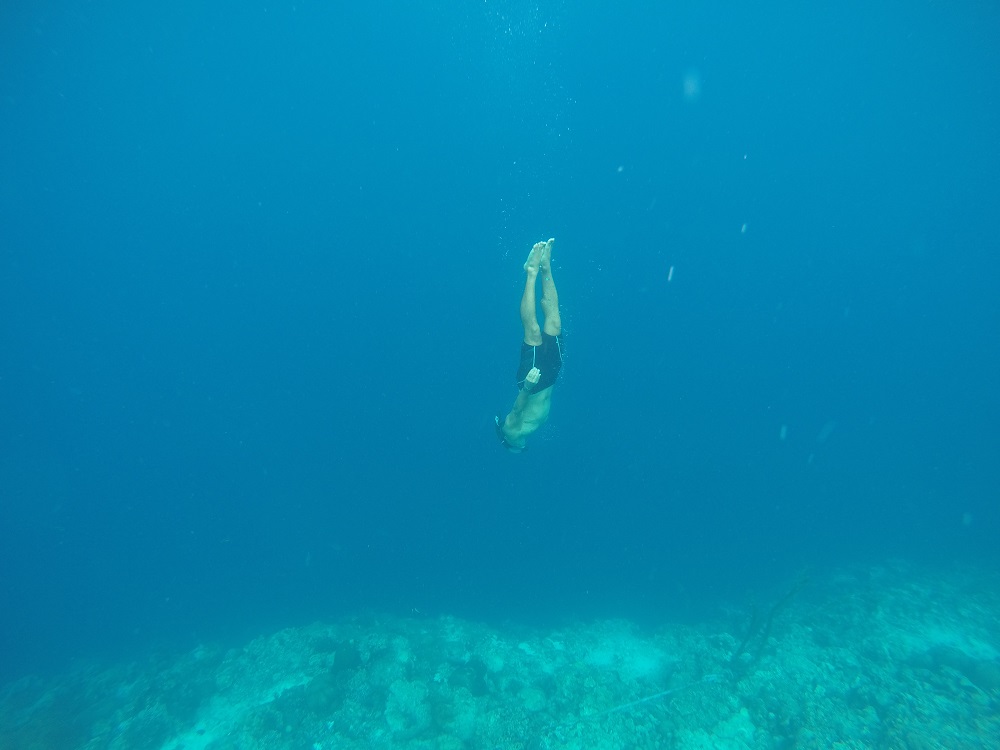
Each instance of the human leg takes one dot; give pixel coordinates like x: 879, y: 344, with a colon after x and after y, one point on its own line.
x: 529, y: 317
x: 550, y: 297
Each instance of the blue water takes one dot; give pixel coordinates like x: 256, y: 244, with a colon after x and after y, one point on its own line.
x: 259, y: 273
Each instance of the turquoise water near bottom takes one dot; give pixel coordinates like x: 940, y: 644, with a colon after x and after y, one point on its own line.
x: 888, y: 656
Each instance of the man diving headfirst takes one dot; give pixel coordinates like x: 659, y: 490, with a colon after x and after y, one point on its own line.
x: 541, y: 355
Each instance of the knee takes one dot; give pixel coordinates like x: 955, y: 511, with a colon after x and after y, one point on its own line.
x: 533, y: 335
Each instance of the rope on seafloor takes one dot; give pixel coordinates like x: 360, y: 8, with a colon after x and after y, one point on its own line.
x: 639, y: 702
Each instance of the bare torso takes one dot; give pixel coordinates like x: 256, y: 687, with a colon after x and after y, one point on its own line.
x: 529, y: 413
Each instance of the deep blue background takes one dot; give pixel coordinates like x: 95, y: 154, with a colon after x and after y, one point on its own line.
x: 259, y: 273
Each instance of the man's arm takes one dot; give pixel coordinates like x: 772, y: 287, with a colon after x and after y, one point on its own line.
x: 516, y: 415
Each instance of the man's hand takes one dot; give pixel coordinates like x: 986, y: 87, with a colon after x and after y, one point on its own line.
x: 533, y: 376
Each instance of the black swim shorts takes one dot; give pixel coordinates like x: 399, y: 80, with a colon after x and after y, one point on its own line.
x: 547, y: 357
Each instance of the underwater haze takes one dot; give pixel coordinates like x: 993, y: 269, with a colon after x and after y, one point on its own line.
x: 260, y: 267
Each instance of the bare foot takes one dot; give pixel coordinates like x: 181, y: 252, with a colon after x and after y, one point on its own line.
x: 545, y: 264
x: 534, y: 258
